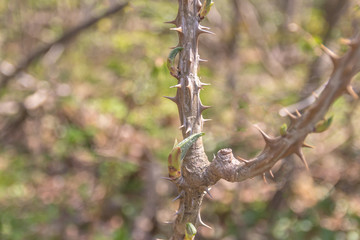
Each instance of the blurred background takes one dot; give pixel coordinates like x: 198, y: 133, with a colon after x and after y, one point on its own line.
x: 85, y: 132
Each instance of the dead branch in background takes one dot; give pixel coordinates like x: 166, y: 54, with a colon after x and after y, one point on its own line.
x: 72, y: 33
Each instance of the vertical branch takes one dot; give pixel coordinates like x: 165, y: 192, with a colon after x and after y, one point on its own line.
x: 190, y: 184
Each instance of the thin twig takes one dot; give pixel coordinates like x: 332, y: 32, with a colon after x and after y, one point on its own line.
x: 72, y: 33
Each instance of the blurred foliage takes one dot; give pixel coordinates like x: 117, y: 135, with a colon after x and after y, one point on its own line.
x: 83, y: 159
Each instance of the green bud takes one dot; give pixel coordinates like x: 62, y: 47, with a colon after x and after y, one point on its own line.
x: 283, y: 129
x: 178, y: 153
x: 323, y: 125
x: 190, y: 231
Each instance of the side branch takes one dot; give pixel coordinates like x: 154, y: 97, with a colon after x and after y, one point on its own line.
x: 72, y: 33
x: 227, y: 167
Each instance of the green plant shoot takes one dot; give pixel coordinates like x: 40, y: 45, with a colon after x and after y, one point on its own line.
x: 205, y: 8
x: 323, y: 125
x: 178, y: 153
x: 190, y: 231
x: 283, y: 129
x: 171, y: 61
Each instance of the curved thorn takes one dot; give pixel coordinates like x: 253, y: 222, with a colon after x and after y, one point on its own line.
x: 351, y: 91
x: 203, y: 107
x: 264, y: 178
x: 203, y: 27
x: 178, y: 196
x: 268, y: 140
x: 292, y: 116
x: 168, y: 179
x: 203, y: 60
x: 298, y: 113
x: 333, y: 56
x: 182, y: 126
x: 271, y: 174
x: 201, y: 223
x: 201, y: 31
x: 174, y: 99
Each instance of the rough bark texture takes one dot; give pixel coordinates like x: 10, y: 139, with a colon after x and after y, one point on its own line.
x: 197, y: 173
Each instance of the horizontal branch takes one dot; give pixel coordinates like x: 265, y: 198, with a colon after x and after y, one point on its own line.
x: 226, y: 166
x: 37, y: 53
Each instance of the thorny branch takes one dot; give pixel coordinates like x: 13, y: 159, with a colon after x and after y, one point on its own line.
x: 197, y: 173
x: 72, y: 33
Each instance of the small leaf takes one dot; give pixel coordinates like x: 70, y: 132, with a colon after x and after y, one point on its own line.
x: 188, y: 142
x: 205, y: 8
x: 178, y: 153
x: 323, y: 125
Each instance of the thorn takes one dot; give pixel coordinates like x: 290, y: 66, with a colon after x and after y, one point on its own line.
x: 203, y: 60
x: 176, y: 213
x: 174, y: 47
x: 333, y: 56
x: 349, y: 42
x: 242, y: 160
x: 315, y: 95
x: 176, y: 86
x: 198, y: 4
x: 268, y: 140
x: 202, y: 30
x: 182, y: 126
x: 208, y: 192
x: 345, y: 41
x: 351, y: 91
x: 204, y: 84
x: 171, y: 22
x: 307, y: 145
x: 188, y: 130
x: 178, y: 29
x: 271, y: 173
x: 300, y: 154
x: 178, y: 196
x: 292, y: 116
x: 264, y: 178
x: 201, y: 223
x: 298, y: 113
x: 203, y: 27
x: 214, y: 156
x: 174, y: 99
x: 206, y: 119
x: 203, y: 107
x: 168, y: 179
x: 169, y: 222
